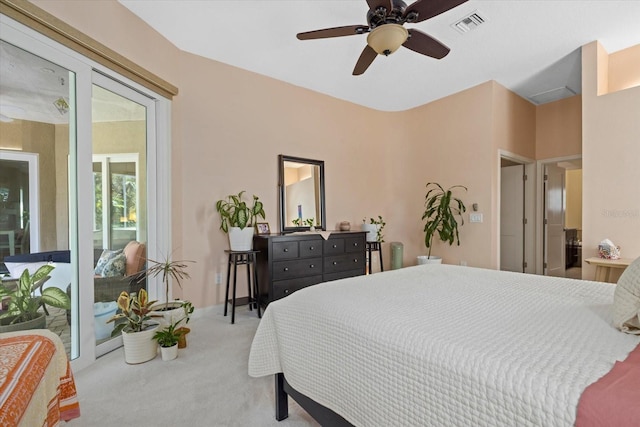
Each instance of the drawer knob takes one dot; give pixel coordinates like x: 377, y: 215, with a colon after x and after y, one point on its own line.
x: 286, y: 249
x: 355, y: 260
x: 335, y: 262
x: 312, y: 266
x: 286, y: 269
x: 311, y: 248
x: 286, y: 291
x: 335, y: 246
x: 355, y: 244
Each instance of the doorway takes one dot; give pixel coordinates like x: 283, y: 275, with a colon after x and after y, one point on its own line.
x: 560, y: 225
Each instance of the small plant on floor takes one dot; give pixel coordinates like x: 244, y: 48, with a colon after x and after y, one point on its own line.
x: 169, y: 270
x: 169, y: 336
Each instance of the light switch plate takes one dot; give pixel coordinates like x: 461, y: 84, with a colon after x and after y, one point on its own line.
x: 475, y: 217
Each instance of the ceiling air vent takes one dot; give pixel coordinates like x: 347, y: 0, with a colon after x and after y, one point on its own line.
x: 468, y: 23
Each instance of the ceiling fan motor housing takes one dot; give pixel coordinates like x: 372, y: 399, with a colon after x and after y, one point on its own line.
x: 381, y: 16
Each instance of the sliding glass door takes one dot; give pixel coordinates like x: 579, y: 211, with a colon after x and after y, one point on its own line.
x: 96, y: 150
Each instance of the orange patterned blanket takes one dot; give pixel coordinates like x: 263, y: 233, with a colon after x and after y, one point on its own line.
x: 36, y: 382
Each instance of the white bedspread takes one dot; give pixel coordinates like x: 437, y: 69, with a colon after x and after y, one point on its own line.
x: 443, y: 345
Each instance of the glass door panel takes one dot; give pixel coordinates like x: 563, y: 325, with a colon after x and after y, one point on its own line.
x: 37, y: 141
x: 119, y: 197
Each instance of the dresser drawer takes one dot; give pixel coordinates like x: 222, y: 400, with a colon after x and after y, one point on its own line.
x: 310, y: 248
x: 343, y: 275
x: 282, y: 288
x: 334, y: 246
x: 285, y: 250
x: 296, y: 268
x: 344, y: 262
x: 354, y: 244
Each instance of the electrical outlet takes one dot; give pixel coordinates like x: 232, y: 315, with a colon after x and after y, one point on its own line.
x: 475, y: 217
x: 218, y: 278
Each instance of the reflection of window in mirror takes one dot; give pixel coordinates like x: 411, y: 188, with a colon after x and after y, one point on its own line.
x: 302, y: 183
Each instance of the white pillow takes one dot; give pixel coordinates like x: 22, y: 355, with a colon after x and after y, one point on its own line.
x: 626, y: 300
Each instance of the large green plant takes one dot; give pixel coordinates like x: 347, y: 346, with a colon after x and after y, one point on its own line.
x: 441, y: 210
x: 168, y: 270
x: 235, y: 212
x: 24, y: 303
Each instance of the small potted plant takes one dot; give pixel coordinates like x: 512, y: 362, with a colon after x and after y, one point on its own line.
x: 137, y: 328
x: 441, y: 210
x: 374, y: 229
x: 22, y: 311
x: 237, y: 219
x: 168, y: 339
x: 170, y: 311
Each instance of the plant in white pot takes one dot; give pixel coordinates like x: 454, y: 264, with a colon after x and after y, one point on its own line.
x: 23, y: 304
x: 374, y: 229
x: 237, y: 219
x: 441, y: 210
x: 168, y: 338
x: 134, y: 322
x: 170, y: 311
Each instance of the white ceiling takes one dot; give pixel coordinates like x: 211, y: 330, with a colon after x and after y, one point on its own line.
x: 528, y: 46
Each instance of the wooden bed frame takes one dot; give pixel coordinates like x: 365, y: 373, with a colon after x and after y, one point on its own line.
x: 320, y: 413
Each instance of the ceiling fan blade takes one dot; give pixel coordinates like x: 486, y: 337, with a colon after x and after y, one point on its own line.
x: 426, y: 9
x: 374, y: 4
x: 426, y: 45
x: 350, y: 30
x: 366, y: 58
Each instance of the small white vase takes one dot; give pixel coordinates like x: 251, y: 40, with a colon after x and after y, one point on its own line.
x: 168, y: 317
x: 169, y: 353
x: 140, y: 347
x: 241, y: 239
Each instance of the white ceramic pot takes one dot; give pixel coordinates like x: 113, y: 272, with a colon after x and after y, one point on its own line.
x: 169, y: 353
x: 168, y: 317
x: 140, y: 347
x: 424, y: 259
x: 241, y: 239
x: 372, y: 232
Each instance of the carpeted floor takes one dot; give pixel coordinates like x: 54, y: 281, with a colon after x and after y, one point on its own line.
x: 207, y: 385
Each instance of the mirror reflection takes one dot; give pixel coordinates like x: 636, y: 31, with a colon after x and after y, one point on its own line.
x: 302, y: 203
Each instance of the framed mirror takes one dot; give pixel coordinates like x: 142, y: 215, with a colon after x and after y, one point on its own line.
x: 301, y: 185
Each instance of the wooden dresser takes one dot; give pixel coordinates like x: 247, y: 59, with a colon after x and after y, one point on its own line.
x: 288, y: 262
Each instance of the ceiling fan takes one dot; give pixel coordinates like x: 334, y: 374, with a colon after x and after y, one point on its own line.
x: 386, y: 32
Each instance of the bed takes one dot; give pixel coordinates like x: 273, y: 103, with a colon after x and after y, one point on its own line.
x: 36, y: 383
x: 440, y: 345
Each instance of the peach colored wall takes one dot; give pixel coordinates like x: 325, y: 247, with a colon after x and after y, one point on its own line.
x: 623, y: 69
x: 611, y: 169
x: 559, y: 128
x: 514, y: 123
x: 450, y: 142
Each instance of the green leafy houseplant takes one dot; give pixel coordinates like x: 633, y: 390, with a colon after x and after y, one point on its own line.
x: 441, y: 209
x: 24, y: 303
x: 380, y: 226
x: 235, y: 212
x: 169, y: 270
x: 134, y: 313
x: 169, y: 336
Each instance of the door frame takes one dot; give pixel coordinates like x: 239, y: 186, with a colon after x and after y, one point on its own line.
x: 540, y: 195
x: 529, y: 207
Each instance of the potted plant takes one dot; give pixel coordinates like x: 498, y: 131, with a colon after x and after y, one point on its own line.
x: 22, y: 302
x: 134, y: 322
x: 170, y: 311
x: 441, y: 210
x: 237, y: 219
x: 374, y: 229
x: 168, y: 339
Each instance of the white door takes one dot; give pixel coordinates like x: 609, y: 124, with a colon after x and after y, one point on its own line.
x: 512, y: 218
x: 554, y: 206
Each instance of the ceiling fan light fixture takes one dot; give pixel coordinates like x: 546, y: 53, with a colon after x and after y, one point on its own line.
x: 387, y: 38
